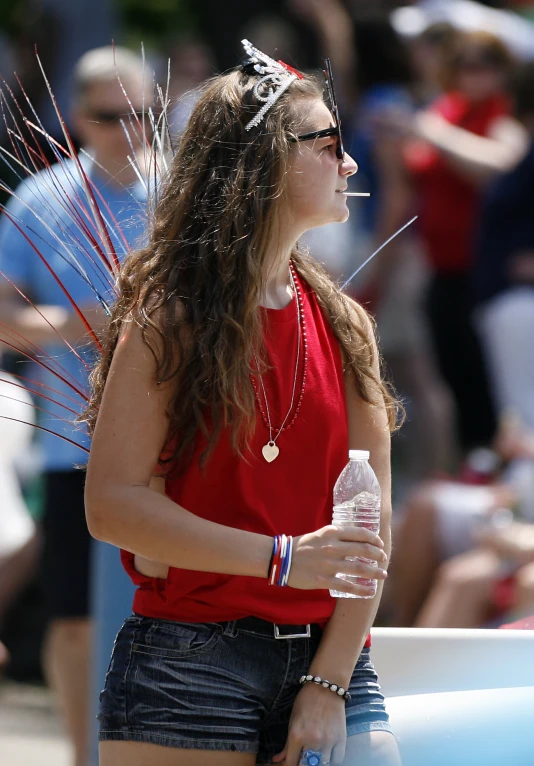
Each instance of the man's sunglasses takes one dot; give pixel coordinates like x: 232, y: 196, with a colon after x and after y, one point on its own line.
x: 336, y: 129
x: 104, y: 117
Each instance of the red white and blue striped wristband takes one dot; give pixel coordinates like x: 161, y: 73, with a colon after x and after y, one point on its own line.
x: 281, y: 560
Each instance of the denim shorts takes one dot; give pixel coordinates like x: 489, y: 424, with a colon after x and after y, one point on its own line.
x: 215, y: 686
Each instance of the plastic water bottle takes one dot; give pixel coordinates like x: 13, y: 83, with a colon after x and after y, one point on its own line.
x: 357, y: 504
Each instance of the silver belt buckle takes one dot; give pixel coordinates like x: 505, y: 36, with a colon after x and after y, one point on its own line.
x: 293, y: 635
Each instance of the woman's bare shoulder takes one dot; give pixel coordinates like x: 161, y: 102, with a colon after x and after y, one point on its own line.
x: 132, y: 422
x: 150, y: 330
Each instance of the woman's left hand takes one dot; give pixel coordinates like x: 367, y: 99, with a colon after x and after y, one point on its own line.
x: 317, y: 723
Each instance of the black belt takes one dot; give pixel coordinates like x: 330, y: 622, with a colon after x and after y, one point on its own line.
x: 266, y: 628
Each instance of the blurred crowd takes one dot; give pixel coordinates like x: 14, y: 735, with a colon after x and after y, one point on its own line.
x: 440, y: 119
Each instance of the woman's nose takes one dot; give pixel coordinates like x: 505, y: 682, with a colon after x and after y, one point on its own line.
x: 348, y: 166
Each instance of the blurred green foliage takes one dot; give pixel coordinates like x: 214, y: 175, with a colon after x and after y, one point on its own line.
x: 150, y: 21
x: 12, y: 15
x: 155, y: 22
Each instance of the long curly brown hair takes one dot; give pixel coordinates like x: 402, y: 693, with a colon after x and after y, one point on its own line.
x: 196, y: 286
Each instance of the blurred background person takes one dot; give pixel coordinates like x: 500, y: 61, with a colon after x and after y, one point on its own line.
x: 99, y: 104
x: 487, y: 586
x: 449, y: 534
x: 395, y: 281
x: 504, y: 270
x: 430, y: 52
x: 455, y: 146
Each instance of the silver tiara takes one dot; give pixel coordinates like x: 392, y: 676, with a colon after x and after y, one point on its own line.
x: 276, y: 77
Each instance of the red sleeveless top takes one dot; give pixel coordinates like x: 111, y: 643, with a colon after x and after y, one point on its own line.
x: 291, y: 495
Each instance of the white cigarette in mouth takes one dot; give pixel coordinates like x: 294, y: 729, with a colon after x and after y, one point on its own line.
x: 357, y: 194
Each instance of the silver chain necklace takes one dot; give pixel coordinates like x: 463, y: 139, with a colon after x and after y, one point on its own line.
x: 271, y: 450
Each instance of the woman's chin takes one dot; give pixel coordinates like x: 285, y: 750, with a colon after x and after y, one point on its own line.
x: 342, y: 215
x: 339, y: 215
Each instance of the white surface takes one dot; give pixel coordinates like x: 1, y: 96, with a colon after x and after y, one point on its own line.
x: 15, y: 403
x: 493, y: 727
x: 506, y: 328
x: 16, y: 525
x: 458, y: 697
x: 419, y: 660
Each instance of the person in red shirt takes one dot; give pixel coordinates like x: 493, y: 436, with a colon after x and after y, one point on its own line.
x: 234, y: 378
x: 454, y: 147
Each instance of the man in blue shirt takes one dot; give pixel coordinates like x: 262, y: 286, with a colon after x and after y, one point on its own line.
x: 55, y: 211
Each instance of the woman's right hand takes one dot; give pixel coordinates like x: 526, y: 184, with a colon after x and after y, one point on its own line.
x: 319, y: 556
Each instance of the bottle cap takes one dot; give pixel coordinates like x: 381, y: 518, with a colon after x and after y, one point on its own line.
x: 359, y: 454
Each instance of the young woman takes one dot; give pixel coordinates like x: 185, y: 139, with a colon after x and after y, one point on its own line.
x: 234, y: 379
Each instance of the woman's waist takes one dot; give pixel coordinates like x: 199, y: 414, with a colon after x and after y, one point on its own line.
x: 189, y: 596
x: 296, y: 628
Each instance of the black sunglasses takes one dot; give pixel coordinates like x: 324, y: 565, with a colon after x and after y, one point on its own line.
x: 336, y: 129
x: 108, y: 117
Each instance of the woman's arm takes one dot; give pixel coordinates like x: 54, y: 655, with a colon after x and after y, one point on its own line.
x: 123, y: 508
x: 478, y: 158
x: 347, y: 629
x: 44, y: 323
x: 318, y: 715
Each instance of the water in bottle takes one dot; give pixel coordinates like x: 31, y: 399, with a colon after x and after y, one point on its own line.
x: 357, y: 503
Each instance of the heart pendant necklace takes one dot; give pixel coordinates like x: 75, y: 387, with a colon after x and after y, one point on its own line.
x: 271, y: 450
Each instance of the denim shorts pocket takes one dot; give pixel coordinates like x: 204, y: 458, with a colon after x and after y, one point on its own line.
x: 112, y: 714
x: 162, y: 638
x: 364, y: 660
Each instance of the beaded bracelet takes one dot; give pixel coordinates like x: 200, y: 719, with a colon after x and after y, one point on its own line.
x: 339, y: 690
x: 281, y: 558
